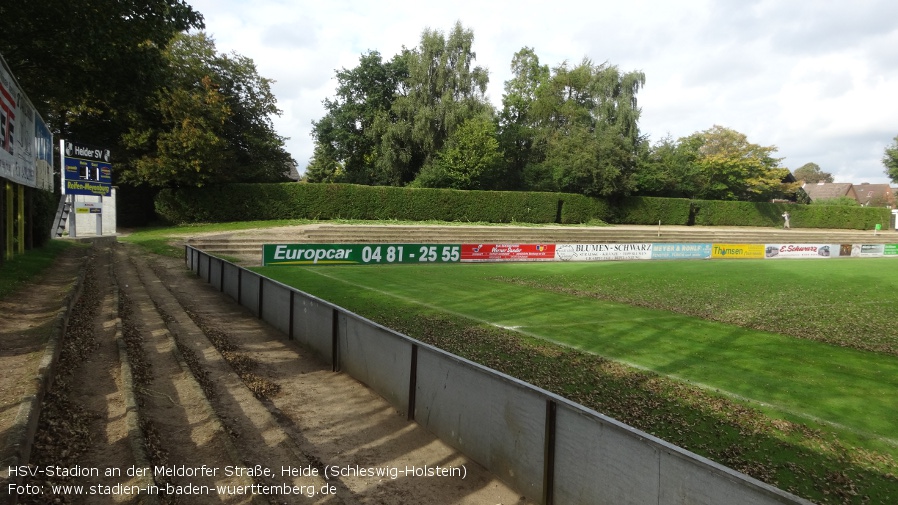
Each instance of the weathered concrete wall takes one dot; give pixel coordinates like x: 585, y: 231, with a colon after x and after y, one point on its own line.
x: 375, y: 356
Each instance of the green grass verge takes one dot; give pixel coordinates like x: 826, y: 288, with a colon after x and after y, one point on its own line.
x: 21, y: 269
x: 801, y: 413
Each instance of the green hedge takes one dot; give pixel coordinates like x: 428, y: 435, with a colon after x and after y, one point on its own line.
x: 251, y: 202
x: 245, y: 202
x: 727, y: 213
x: 650, y: 210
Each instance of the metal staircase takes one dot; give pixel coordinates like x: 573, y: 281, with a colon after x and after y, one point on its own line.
x: 62, y: 216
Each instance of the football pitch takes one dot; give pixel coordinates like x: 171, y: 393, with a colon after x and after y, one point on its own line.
x: 813, y: 342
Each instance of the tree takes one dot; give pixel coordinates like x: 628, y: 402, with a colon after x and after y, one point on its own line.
x: 349, y: 134
x: 517, y: 124
x: 185, y: 150
x: 91, y: 66
x: 812, y: 174
x: 890, y: 160
x: 593, y: 107
x: 470, y: 159
x: 731, y: 168
x: 668, y: 168
x: 211, y: 125
x: 444, y: 89
x: 390, y: 120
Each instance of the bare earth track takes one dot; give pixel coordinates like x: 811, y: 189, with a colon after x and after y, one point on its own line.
x: 157, y: 370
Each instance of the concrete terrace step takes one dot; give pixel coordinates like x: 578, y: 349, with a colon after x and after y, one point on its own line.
x: 248, y: 244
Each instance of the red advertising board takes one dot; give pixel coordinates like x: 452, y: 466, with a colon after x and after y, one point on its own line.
x: 507, y: 252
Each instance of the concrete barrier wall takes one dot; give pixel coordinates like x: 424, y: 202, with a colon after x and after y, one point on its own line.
x: 497, y: 421
x: 276, y: 305
x: 603, y: 462
x: 313, y: 324
x: 250, y: 289
x: 216, y: 272
x: 376, y: 356
x: 549, y: 449
x: 202, y: 265
x: 231, y: 280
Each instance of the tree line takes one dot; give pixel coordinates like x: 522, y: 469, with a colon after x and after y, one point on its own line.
x: 421, y: 118
x: 139, y: 77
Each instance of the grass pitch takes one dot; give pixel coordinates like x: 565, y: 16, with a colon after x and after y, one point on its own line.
x: 808, y: 342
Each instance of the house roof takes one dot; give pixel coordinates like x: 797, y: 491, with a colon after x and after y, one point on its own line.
x: 874, y: 194
x: 828, y: 190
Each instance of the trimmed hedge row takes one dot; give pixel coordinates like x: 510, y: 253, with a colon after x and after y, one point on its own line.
x: 650, y: 210
x: 726, y: 213
x: 250, y: 202
x: 246, y: 202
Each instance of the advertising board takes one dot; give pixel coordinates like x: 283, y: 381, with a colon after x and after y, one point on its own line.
x: 88, y: 208
x: 86, y: 169
x: 507, y: 252
x: 737, y: 251
x: 358, y: 254
x: 603, y: 252
x: 673, y: 251
x: 779, y: 251
x: 867, y: 250
x: 26, y: 144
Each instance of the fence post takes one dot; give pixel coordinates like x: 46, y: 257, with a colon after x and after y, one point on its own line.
x: 335, y: 341
x: 549, y: 454
x: 290, y: 323
x: 412, y: 382
x: 261, y: 280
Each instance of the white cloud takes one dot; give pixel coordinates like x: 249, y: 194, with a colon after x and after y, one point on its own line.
x: 816, y: 79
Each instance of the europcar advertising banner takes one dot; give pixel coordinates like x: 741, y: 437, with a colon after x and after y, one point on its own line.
x: 507, y: 252
x: 801, y: 251
x: 603, y: 252
x: 358, y: 254
x: 26, y: 145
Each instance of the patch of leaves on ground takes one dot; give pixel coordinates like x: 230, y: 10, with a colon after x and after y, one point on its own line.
x: 788, y: 455
x: 797, y: 311
x: 64, y: 429
x: 242, y: 364
x: 142, y: 378
x: 141, y: 371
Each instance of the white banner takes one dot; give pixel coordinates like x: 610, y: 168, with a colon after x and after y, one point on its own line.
x: 775, y: 251
x: 603, y: 252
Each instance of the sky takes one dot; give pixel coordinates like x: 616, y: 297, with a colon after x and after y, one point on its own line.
x: 818, y: 79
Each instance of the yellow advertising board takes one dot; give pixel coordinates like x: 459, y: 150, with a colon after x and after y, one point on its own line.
x: 737, y: 251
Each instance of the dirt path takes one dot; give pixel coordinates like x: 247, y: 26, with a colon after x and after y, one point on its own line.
x: 168, y: 392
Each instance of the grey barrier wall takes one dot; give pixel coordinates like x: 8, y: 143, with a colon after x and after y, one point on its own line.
x: 376, y: 356
x: 546, y: 447
x: 313, y: 325
x: 250, y: 290
x: 230, y: 282
x: 276, y: 305
x: 497, y: 421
